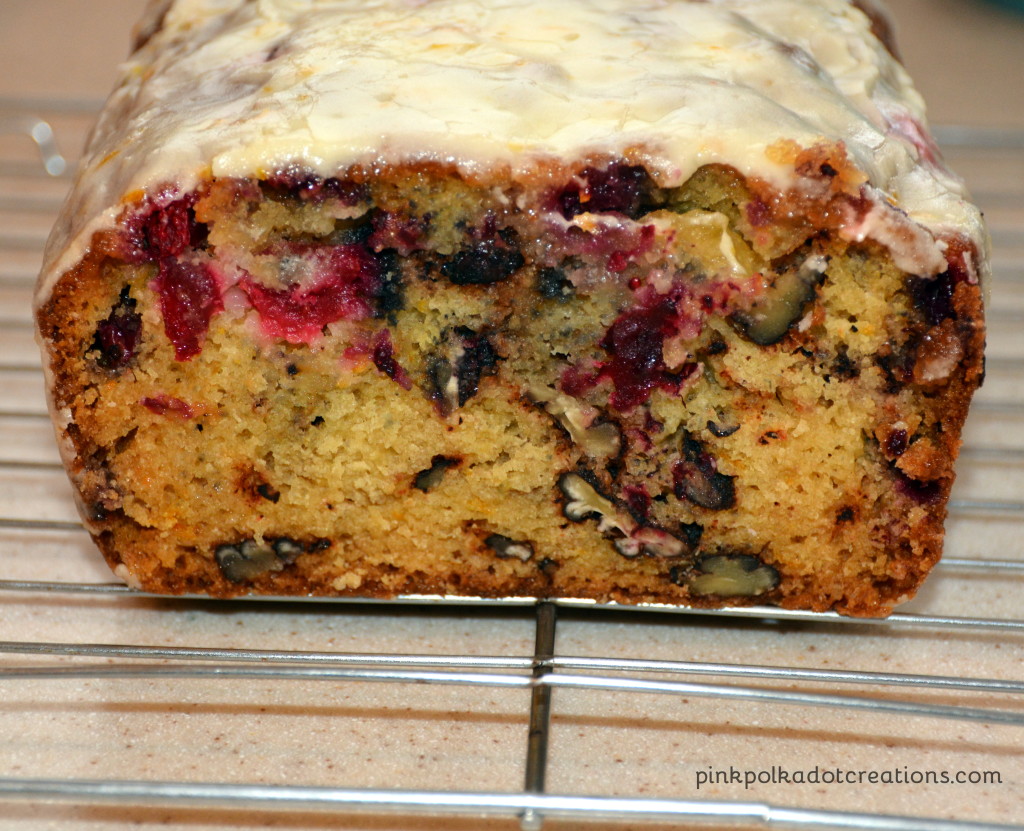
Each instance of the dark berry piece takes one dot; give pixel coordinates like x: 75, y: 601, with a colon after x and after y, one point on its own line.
x: 398, y: 231
x: 638, y: 502
x: 720, y: 431
x: 117, y: 337
x: 548, y: 567
x: 268, y: 492
x: 618, y: 188
x: 454, y: 373
x: 389, y: 295
x: 306, y: 186
x: 923, y: 493
x: 934, y: 296
x: 552, y: 284
x: 478, y: 359
x: 189, y: 298
x: 896, y: 443
x: 488, y: 261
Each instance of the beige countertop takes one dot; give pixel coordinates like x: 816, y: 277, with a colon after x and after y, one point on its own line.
x: 404, y: 737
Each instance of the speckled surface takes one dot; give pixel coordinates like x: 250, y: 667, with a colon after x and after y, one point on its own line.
x: 375, y: 735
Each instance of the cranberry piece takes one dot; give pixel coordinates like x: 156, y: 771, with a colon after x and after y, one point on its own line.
x: 307, y: 186
x: 383, y: 356
x: 635, y: 341
x: 189, y: 298
x: 164, y: 404
x: 346, y: 278
x: 619, y: 188
x: 636, y: 367
x: 157, y: 233
x: 638, y: 502
x: 577, y: 382
x: 117, y: 337
x: 896, y: 443
x: 391, y: 230
x: 924, y: 493
x: 758, y: 213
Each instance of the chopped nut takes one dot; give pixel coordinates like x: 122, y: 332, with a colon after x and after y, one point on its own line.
x: 630, y: 538
x: 249, y: 559
x: 653, y: 542
x: 506, y: 548
x: 770, y: 317
x: 697, y: 479
x: 598, y: 440
x: 455, y: 370
x: 733, y: 575
x: 583, y: 499
x: 430, y: 478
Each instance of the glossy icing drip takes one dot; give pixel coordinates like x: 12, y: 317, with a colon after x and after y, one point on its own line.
x: 241, y: 88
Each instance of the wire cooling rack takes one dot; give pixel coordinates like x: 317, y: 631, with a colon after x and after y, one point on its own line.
x: 119, y: 709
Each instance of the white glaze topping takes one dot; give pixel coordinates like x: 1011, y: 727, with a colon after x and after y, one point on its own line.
x: 239, y: 88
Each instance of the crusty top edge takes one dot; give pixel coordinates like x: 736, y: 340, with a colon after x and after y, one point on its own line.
x: 240, y: 88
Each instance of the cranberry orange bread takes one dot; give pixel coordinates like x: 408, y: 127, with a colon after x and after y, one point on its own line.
x: 661, y: 302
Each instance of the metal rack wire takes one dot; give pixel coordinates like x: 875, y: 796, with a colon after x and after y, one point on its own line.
x: 553, y: 687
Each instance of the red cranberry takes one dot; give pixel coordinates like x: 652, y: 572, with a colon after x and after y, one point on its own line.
x: 923, y: 493
x: 619, y: 188
x: 383, y: 356
x: 189, y: 298
x: 577, y: 382
x: 164, y: 404
x: 634, y: 342
x: 391, y: 230
x: 346, y: 278
x: 157, y: 233
x: 638, y: 501
x: 896, y: 443
x: 758, y: 213
x: 307, y: 186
